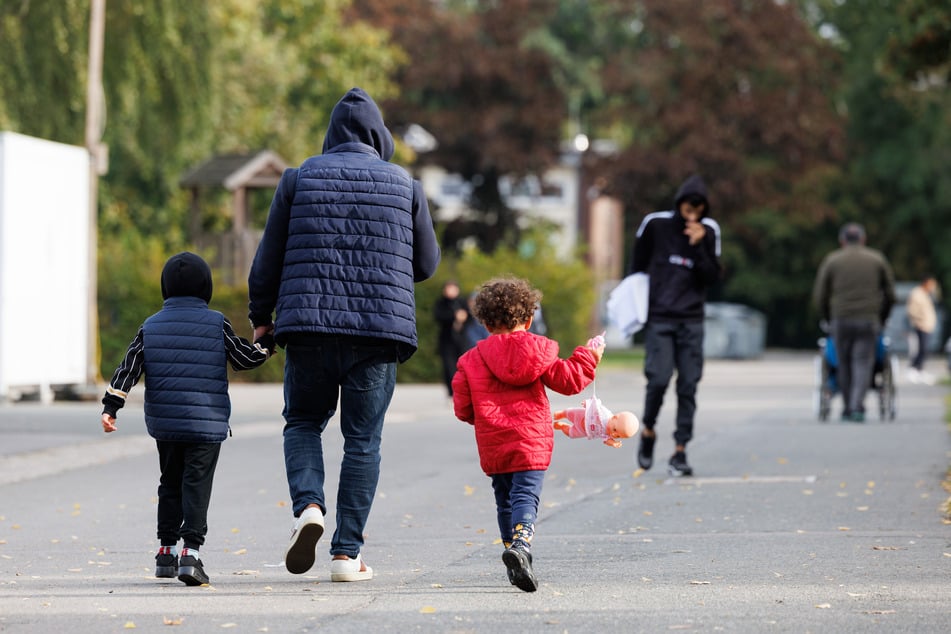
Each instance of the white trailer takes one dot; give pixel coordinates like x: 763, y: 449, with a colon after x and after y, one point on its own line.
x: 44, y: 280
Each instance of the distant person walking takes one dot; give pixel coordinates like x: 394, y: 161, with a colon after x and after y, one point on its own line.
x: 923, y: 320
x: 347, y: 237
x: 183, y: 350
x: 854, y: 290
x: 680, y: 251
x: 450, y: 314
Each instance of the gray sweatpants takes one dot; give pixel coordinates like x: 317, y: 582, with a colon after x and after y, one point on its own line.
x: 855, y: 343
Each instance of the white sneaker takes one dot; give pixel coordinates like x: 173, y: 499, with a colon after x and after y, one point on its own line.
x: 926, y: 377
x: 300, y: 554
x: 350, y: 570
x: 913, y: 375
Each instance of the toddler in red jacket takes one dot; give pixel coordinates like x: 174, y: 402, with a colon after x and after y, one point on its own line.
x: 499, y: 389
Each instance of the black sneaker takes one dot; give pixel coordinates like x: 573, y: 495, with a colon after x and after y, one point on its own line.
x: 645, y: 453
x: 518, y: 561
x: 191, y: 572
x: 511, y: 574
x: 166, y: 566
x: 678, y: 467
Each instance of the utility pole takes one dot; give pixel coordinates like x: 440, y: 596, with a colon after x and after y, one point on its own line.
x: 98, y: 159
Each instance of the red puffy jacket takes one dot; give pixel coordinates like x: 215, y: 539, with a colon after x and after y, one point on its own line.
x: 499, y: 387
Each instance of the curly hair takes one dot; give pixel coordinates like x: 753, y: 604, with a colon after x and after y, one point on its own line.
x: 505, y: 303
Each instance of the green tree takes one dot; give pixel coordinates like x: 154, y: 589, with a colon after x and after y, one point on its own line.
x: 487, y: 98
x: 895, y: 91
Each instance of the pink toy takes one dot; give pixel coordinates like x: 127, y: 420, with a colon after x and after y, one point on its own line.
x: 594, y: 420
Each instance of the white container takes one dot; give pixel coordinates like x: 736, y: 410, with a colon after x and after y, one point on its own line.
x: 44, y: 281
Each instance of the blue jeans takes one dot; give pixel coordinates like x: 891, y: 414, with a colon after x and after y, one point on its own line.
x: 363, y: 373
x: 516, y: 499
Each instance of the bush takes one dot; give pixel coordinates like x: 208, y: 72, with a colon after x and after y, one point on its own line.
x: 568, y: 299
x: 130, y: 291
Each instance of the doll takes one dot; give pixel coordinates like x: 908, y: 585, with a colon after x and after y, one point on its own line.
x: 594, y: 420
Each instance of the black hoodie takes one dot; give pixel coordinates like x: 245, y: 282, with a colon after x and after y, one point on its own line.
x: 679, y: 273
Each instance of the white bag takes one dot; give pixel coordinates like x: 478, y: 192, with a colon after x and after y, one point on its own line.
x: 627, y: 304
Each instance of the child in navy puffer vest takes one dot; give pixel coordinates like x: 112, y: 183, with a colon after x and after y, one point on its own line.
x: 183, y: 350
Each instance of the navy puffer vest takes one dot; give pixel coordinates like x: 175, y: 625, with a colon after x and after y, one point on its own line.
x: 186, y: 373
x: 348, y: 267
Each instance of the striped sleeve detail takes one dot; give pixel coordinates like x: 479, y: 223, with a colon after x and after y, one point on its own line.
x: 127, y: 374
x: 242, y: 354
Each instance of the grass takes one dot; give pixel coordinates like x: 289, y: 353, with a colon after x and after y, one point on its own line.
x: 622, y: 358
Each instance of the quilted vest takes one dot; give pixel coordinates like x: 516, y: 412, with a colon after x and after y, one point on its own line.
x: 186, y: 374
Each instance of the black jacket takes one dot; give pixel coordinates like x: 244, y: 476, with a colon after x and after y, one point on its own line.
x: 679, y: 273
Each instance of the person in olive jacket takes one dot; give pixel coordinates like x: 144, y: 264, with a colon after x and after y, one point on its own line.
x: 854, y: 290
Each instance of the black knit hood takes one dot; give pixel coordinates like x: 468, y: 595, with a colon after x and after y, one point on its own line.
x: 357, y: 119
x: 693, y: 186
x: 186, y: 275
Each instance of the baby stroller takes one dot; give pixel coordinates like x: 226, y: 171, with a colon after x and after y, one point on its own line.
x: 883, y: 378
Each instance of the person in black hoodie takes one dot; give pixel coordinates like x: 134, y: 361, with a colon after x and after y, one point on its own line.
x: 679, y: 249
x: 183, y: 350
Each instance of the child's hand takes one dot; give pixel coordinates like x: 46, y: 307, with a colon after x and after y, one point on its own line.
x: 267, y: 342
x: 108, y: 423
x: 596, y: 344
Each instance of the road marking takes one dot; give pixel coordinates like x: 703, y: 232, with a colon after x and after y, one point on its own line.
x: 806, y: 479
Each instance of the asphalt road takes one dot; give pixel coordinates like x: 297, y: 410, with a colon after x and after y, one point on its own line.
x: 790, y: 525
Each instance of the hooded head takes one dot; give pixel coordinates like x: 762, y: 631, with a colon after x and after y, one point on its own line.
x: 186, y: 275
x: 694, y: 190
x: 357, y: 119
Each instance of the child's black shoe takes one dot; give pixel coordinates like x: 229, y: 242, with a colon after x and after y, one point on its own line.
x: 166, y: 566
x: 191, y: 572
x: 518, y: 560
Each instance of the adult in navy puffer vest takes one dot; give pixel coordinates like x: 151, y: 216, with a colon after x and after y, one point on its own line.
x: 347, y: 237
x: 183, y: 350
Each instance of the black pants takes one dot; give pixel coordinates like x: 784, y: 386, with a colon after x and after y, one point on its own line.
x: 855, y: 343
x: 188, y: 469
x: 666, y: 346
x: 918, y: 362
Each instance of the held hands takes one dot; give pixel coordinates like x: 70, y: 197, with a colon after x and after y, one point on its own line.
x: 108, y: 423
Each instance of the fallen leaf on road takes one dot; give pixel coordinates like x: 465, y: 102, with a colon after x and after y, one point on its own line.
x: 823, y: 606
x: 427, y: 609
x: 228, y: 625
x: 469, y: 490
x: 436, y: 585
x: 886, y: 548
x: 241, y: 551
x: 699, y: 583
x: 879, y: 611
x: 235, y: 530
x: 861, y: 508
x: 637, y: 473
x: 281, y: 504
x: 168, y: 621
x: 782, y: 460
x: 843, y: 528
x: 129, y: 625
x: 246, y: 572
